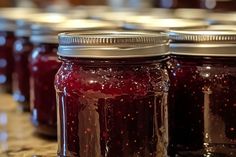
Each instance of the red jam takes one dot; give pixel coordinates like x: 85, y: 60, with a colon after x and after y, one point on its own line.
x: 202, y: 98
x: 43, y: 67
x: 6, y: 61
x: 21, y: 84
x: 112, y: 107
x: 108, y: 108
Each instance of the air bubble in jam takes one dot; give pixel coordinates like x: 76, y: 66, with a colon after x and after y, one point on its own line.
x: 123, y: 105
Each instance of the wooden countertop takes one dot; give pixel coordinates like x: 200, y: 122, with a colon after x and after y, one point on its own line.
x: 17, y: 135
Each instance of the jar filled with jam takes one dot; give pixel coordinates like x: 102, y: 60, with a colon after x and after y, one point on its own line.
x: 112, y: 93
x: 8, y: 18
x: 202, y: 98
x: 7, y: 39
x: 21, y: 50
x: 43, y: 67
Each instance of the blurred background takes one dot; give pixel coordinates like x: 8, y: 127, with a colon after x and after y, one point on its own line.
x: 208, y: 4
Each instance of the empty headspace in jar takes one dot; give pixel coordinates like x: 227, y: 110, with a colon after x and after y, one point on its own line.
x: 112, y: 44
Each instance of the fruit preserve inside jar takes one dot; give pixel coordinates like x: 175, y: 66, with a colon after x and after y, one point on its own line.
x: 21, y: 84
x: 112, y: 101
x: 201, y: 99
x: 43, y: 66
x: 7, y: 39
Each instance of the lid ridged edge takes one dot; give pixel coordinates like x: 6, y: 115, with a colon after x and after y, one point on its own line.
x: 112, y: 39
x: 203, y: 36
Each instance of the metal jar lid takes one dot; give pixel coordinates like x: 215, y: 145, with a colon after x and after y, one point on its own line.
x: 185, y: 13
x: 47, y: 33
x: 112, y: 44
x: 222, y: 27
x: 160, y: 25
x: 203, y: 43
x: 222, y: 18
x: 9, y: 16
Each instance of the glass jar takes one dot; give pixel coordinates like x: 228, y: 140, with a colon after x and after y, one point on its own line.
x: 7, y: 39
x: 43, y: 67
x: 8, y: 18
x: 177, y: 3
x: 202, y: 93
x: 21, y: 50
x: 111, y: 91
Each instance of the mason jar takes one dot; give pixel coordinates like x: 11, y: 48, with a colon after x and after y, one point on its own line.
x: 21, y: 51
x: 8, y: 18
x: 112, y: 93
x: 7, y: 39
x: 43, y: 67
x: 202, y: 93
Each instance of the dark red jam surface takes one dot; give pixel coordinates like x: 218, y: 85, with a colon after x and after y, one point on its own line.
x: 177, y: 3
x: 202, y: 105
x: 21, y: 89
x: 43, y: 67
x: 112, y: 108
x: 6, y: 61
